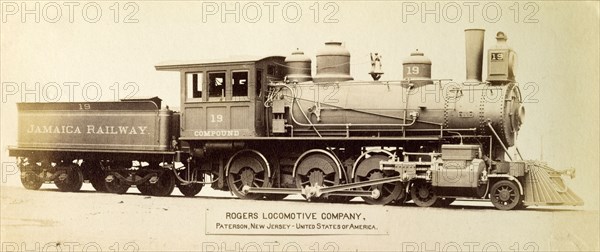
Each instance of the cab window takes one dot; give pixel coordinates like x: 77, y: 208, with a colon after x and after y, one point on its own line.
x: 195, y: 81
x: 216, y: 86
x: 239, y: 84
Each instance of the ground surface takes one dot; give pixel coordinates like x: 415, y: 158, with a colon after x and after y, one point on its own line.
x: 48, y: 220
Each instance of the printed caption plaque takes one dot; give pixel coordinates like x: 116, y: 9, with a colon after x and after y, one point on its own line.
x: 302, y: 221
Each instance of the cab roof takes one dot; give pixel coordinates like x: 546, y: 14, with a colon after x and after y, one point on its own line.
x: 178, y: 65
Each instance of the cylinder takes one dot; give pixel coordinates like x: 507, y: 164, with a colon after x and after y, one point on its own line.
x: 298, y: 67
x: 333, y: 63
x: 474, y: 54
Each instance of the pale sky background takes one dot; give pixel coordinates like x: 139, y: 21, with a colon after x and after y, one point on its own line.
x: 559, y: 53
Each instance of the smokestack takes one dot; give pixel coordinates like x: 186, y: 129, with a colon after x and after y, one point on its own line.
x: 474, y: 54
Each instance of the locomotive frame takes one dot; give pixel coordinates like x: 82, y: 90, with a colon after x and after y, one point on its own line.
x: 249, y: 126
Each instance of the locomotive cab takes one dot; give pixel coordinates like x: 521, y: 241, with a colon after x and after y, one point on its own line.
x: 224, y: 98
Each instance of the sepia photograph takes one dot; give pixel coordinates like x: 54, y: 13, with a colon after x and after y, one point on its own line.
x: 299, y: 125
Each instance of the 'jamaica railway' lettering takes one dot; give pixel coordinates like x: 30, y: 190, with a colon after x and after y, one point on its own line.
x: 89, y: 129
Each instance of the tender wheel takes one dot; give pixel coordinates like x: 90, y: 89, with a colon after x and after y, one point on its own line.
x: 164, y: 186
x: 98, y: 183
x: 30, y: 180
x: 247, y: 169
x: 505, y: 195
x: 30, y: 171
x: 423, y: 195
x: 367, y: 170
x: 95, y: 174
x: 144, y: 189
x: 189, y: 190
x: 114, y: 185
x: 71, y: 180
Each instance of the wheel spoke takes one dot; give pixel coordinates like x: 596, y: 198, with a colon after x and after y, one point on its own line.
x: 387, y: 189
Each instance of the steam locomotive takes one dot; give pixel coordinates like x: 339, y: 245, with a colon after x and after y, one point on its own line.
x: 265, y: 128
